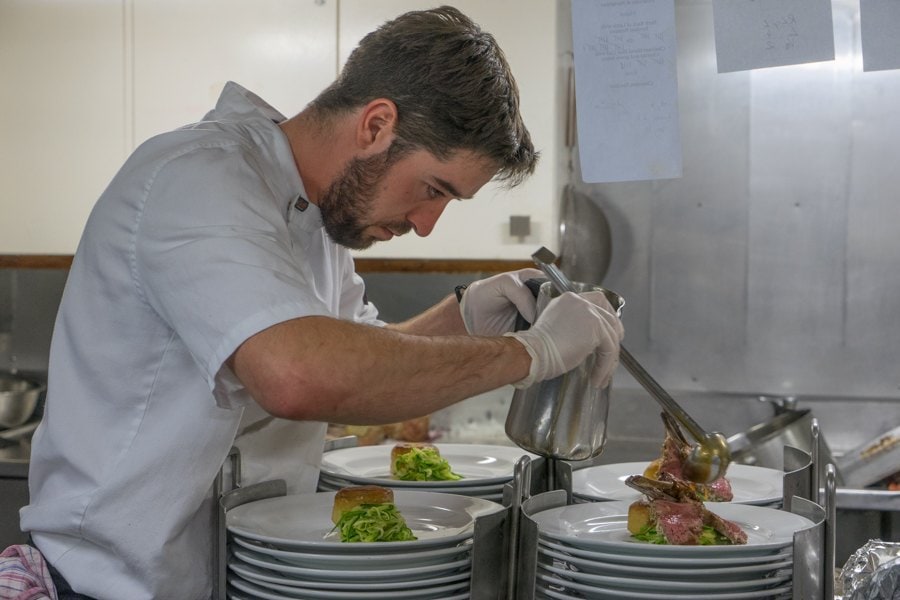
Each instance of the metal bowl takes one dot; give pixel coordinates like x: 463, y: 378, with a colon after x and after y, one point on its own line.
x: 18, y: 399
x: 763, y: 444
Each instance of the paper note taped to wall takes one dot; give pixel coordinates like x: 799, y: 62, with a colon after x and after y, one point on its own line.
x: 880, y: 32
x: 626, y: 89
x: 754, y: 34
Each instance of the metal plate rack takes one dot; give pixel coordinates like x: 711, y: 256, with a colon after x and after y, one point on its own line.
x: 504, y: 554
x: 813, y: 548
x: 491, y: 537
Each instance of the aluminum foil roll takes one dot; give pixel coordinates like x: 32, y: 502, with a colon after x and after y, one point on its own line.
x: 871, y: 573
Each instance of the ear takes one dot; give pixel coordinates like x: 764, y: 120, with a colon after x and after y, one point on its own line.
x: 375, y: 127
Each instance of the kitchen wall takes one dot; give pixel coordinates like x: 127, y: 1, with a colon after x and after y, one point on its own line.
x: 29, y: 299
x: 92, y: 79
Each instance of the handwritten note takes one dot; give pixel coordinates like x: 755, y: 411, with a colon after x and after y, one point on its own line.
x: 754, y: 34
x: 626, y: 89
x: 880, y: 33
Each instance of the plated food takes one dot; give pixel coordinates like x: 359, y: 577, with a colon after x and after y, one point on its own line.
x: 484, y: 470
x: 585, y: 550
x: 669, y: 467
x: 672, y: 511
x: 412, y: 461
x: 367, y: 513
x: 750, y: 484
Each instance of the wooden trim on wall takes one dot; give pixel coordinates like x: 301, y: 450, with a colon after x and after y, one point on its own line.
x: 35, y: 261
x: 437, y: 265
x: 363, y: 265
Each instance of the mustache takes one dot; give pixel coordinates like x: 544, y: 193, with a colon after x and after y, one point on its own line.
x: 399, y: 228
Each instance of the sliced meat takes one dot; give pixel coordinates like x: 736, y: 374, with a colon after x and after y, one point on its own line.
x: 718, y: 490
x: 681, y: 523
x: 674, y: 505
x: 675, y: 450
x: 729, y: 529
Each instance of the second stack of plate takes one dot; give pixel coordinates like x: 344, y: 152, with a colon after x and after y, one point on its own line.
x: 485, y: 469
x: 585, y: 551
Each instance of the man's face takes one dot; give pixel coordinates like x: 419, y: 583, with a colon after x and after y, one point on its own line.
x: 379, y: 197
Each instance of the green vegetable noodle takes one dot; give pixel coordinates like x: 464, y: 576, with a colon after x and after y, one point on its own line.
x: 374, y: 523
x: 423, y: 464
x: 709, y: 537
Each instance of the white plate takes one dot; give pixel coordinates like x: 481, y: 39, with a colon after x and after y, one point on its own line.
x: 337, y: 575
x: 260, y: 592
x: 448, y: 487
x: 778, y: 555
x: 548, y: 594
x: 478, y: 464
x: 750, y: 485
x: 592, y: 593
x: 264, y: 576
x: 603, y: 526
x: 689, y: 571
x: 389, y: 560
x: 303, y: 522
x: 461, y: 491
x: 645, y: 584
x: 495, y: 495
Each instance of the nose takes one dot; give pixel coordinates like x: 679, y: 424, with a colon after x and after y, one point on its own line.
x: 425, y: 216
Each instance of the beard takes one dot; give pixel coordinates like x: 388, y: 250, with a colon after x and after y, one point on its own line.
x: 347, y: 203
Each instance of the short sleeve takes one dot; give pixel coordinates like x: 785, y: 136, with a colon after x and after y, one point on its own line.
x: 212, y: 254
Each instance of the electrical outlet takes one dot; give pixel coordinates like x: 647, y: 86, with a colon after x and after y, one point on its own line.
x: 519, y: 226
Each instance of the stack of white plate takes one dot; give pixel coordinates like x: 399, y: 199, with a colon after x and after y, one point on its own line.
x: 285, y: 548
x: 758, y: 486
x: 585, y: 551
x: 485, y: 469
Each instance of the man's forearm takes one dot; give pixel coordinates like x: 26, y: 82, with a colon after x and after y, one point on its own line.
x: 443, y: 318
x: 324, y: 369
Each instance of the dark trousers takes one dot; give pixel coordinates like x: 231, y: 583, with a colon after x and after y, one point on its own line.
x: 63, y: 590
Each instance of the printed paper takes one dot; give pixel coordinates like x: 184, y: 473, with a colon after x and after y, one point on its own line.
x: 626, y: 89
x: 880, y: 32
x: 754, y: 34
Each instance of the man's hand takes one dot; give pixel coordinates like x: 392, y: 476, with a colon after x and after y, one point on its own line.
x: 489, y: 306
x: 568, y: 330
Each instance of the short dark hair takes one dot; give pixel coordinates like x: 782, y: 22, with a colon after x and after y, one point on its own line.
x: 452, y: 86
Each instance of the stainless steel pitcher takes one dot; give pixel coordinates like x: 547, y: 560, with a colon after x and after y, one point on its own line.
x: 564, y: 417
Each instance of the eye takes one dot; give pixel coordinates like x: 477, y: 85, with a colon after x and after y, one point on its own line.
x: 434, y: 193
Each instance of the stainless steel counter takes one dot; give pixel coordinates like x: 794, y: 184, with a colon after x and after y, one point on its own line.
x: 868, y: 499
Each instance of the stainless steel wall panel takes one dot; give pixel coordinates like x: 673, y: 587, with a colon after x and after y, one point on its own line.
x: 628, y: 209
x: 707, y: 208
x: 770, y: 266
x: 873, y: 260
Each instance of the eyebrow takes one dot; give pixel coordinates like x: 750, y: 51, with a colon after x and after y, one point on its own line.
x: 450, y: 188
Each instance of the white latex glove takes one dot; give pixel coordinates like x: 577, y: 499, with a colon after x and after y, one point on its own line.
x: 567, y: 331
x: 489, y: 306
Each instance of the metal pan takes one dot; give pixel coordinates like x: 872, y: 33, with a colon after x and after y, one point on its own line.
x: 18, y: 399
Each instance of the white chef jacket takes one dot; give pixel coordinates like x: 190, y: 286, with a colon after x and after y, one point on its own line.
x: 202, y: 239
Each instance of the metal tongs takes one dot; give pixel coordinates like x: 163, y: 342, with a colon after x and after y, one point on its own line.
x: 709, y: 459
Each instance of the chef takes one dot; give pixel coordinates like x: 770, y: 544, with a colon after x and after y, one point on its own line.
x: 212, y: 301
